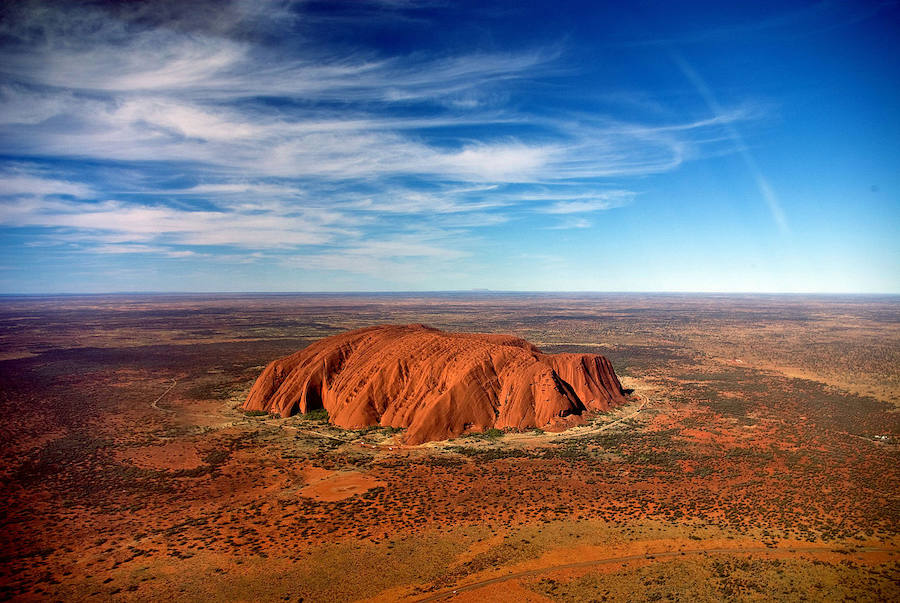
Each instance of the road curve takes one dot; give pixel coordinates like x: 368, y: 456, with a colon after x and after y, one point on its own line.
x: 154, y: 403
x: 573, y: 434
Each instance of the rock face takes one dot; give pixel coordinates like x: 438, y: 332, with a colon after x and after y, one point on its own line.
x: 435, y: 384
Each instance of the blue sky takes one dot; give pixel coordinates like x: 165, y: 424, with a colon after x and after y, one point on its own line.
x: 404, y: 145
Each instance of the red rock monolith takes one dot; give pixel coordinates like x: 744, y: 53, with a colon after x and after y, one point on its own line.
x: 434, y: 384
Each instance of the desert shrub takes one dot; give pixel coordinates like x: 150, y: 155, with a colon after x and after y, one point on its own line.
x: 256, y: 413
x: 319, y: 414
x: 488, y: 434
x: 486, y: 454
x: 655, y: 457
x: 445, y: 461
x: 570, y: 451
x: 217, y: 457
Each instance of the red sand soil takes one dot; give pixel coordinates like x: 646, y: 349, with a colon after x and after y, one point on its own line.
x: 437, y: 385
x: 708, y: 457
x: 329, y: 486
x: 173, y: 456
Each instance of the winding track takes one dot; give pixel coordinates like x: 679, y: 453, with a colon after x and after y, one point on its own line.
x: 568, y: 434
x: 154, y: 403
x: 646, y: 556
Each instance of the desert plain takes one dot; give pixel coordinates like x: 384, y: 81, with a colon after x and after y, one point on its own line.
x: 756, y: 456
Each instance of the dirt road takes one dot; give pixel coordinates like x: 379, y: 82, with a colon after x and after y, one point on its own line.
x: 155, y: 404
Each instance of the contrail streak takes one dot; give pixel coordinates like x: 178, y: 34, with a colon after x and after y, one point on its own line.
x: 765, y: 189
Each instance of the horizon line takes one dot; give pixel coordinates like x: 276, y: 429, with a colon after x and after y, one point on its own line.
x: 455, y: 291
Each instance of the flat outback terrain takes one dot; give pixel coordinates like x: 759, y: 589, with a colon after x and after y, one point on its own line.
x: 755, y: 458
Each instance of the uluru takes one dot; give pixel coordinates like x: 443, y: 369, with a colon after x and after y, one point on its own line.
x: 434, y: 384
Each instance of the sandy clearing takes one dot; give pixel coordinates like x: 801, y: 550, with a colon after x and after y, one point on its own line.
x: 330, y: 486
x: 174, y: 456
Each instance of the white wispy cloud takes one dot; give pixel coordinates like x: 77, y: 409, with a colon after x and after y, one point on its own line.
x: 19, y: 183
x: 390, y: 162
x: 137, y: 248
x: 570, y: 223
x: 141, y: 223
x: 84, y: 49
x: 585, y: 202
x: 447, y: 200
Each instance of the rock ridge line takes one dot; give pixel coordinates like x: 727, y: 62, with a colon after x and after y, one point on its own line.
x: 434, y: 384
